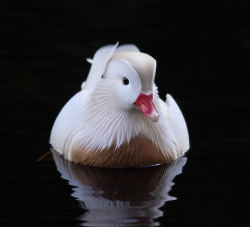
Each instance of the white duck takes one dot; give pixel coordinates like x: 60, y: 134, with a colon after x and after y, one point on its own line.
x: 118, y: 119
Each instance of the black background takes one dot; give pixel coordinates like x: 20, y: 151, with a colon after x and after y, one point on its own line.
x: 202, y: 50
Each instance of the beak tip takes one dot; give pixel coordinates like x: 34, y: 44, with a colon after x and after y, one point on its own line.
x: 154, y: 116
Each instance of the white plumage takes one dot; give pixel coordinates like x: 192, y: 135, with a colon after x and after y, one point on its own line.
x: 118, y: 119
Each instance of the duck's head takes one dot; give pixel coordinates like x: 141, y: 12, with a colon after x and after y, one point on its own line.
x: 132, y: 75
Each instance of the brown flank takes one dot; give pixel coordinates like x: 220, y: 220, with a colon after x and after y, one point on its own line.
x: 140, y: 151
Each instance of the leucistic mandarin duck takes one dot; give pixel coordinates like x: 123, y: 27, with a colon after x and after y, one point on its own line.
x: 118, y: 119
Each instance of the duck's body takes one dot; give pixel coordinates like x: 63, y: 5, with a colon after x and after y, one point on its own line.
x: 120, y: 124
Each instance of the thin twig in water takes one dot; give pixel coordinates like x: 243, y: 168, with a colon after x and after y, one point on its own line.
x: 44, y: 155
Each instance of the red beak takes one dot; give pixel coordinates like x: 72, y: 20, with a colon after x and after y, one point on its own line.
x: 146, y: 105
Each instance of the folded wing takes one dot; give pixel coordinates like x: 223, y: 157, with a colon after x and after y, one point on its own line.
x: 176, y: 122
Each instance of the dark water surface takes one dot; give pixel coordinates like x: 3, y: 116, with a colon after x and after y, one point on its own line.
x: 202, y: 51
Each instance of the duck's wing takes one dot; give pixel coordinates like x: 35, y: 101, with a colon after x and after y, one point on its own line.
x: 68, y: 121
x: 100, y: 60
x: 176, y: 121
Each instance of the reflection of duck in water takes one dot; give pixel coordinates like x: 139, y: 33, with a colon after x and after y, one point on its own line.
x: 120, y: 197
x: 118, y: 119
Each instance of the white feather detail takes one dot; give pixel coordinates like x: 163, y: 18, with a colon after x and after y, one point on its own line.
x: 105, y: 124
x: 127, y: 47
x: 99, y: 62
x: 82, y: 85
x: 89, y: 60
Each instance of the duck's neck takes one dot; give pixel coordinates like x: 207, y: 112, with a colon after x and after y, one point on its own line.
x: 108, y: 124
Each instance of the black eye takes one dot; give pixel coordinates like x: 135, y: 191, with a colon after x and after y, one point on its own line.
x: 125, y: 81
